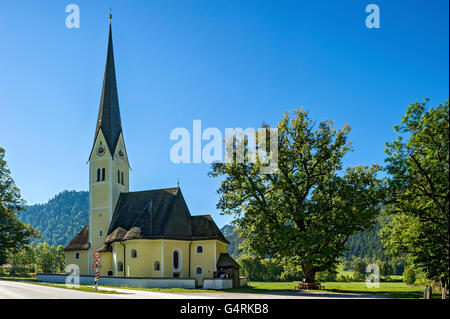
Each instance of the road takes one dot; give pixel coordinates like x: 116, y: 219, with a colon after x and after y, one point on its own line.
x: 19, y: 290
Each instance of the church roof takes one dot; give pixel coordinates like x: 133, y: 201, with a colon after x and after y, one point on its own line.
x: 226, y: 261
x: 159, y: 213
x: 109, y: 114
x: 203, y: 226
x: 80, y: 242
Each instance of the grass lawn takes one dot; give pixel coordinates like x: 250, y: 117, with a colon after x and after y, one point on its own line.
x: 391, y: 289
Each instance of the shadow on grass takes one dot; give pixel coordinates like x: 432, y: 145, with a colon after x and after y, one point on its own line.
x: 390, y: 294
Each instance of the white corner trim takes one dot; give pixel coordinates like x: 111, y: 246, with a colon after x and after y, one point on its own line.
x: 215, y: 255
x: 162, y: 258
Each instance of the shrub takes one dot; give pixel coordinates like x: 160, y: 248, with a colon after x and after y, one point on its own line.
x: 328, y: 275
x: 409, y: 276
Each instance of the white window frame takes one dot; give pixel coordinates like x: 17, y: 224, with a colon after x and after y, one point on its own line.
x: 195, y: 271
x: 203, y: 249
x: 180, y: 260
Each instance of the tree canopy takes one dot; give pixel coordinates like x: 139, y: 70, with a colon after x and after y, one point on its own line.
x: 304, y: 213
x: 14, y: 234
x: 418, y: 165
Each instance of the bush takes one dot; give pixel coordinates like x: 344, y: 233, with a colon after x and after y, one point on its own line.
x: 409, y: 276
x: 359, y: 269
x: 328, y: 275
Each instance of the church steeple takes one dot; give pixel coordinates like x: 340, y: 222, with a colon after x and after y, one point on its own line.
x: 109, y: 114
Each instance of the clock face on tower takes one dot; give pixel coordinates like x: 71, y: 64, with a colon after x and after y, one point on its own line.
x: 121, y: 155
x: 101, y: 150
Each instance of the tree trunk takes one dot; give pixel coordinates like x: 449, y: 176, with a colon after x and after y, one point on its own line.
x: 308, y: 274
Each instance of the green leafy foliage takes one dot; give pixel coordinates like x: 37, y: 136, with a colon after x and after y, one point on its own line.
x: 418, y: 165
x: 61, y: 218
x: 409, y: 276
x: 304, y: 213
x: 37, y: 258
x: 14, y: 234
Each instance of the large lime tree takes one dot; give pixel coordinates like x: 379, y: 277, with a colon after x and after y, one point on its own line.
x: 304, y: 212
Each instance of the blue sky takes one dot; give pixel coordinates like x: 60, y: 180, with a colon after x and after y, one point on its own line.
x: 227, y: 63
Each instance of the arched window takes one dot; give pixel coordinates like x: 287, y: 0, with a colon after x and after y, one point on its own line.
x: 199, y: 249
x: 100, y: 233
x: 176, y: 261
x: 77, y: 255
x: 157, y: 266
x: 198, y: 270
x: 122, y: 178
x: 98, y: 174
x: 103, y: 174
x: 120, y: 266
x: 133, y: 253
x: 118, y: 176
x: 110, y: 273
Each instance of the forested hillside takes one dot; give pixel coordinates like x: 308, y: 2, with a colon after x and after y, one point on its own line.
x: 61, y: 218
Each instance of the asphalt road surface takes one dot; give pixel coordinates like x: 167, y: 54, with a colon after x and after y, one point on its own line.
x: 19, y: 290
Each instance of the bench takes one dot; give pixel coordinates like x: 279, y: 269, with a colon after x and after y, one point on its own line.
x: 307, y: 285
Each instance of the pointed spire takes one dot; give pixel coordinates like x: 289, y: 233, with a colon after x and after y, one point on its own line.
x: 109, y: 114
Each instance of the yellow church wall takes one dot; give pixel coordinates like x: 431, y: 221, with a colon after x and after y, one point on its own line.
x: 100, y: 195
x: 82, y: 262
x: 183, y: 248
x: 221, y: 248
x: 99, y: 223
x: 118, y: 252
x: 100, y: 138
x: 148, y: 251
x: 204, y: 260
x: 106, y: 262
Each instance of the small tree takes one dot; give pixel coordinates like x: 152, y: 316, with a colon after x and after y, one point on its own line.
x: 359, y: 269
x: 14, y: 234
x: 409, y: 276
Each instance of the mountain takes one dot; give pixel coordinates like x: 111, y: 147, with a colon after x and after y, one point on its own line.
x: 232, y: 234
x: 61, y: 218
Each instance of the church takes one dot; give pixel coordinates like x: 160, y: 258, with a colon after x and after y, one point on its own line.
x: 143, y: 234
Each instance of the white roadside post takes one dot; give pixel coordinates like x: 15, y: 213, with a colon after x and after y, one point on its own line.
x: 96, y: 265
x: 97, y: 276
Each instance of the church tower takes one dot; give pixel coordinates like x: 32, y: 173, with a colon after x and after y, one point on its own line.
x: 108, y: 161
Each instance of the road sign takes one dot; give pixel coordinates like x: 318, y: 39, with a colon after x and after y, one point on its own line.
x: 96, y: 263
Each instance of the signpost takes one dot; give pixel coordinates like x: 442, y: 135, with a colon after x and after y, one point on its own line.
x: 96, y: 265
